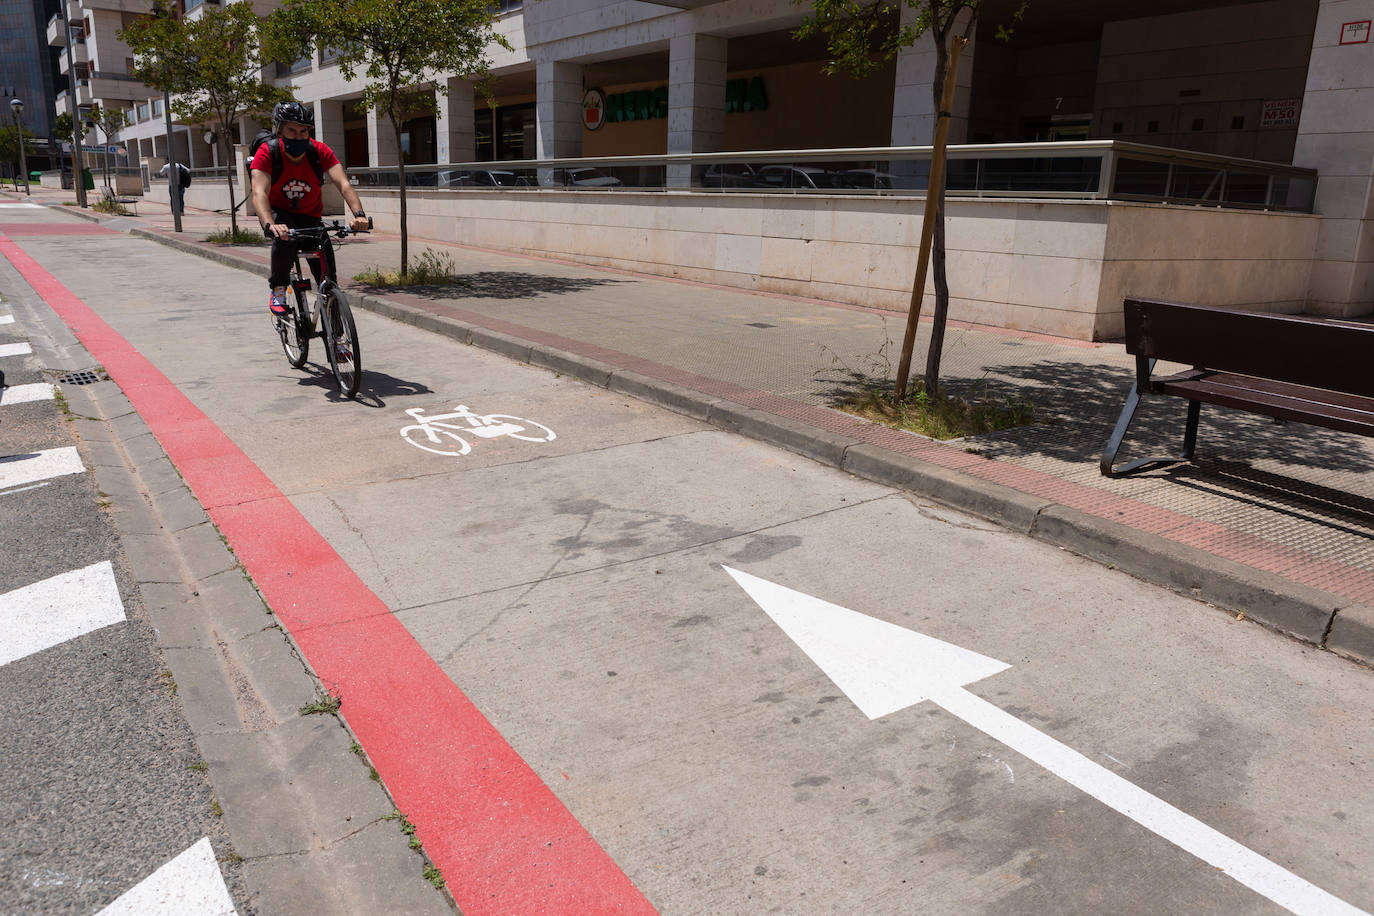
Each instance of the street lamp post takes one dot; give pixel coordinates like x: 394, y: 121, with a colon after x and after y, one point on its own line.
x: 17, y: 109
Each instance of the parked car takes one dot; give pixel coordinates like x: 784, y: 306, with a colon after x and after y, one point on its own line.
x: 798, y: 177
x: 477, y: 178
x: 729, y: 175
x: 582, y: 178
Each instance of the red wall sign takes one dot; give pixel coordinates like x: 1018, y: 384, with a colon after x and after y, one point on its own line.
x: 1355, y: 33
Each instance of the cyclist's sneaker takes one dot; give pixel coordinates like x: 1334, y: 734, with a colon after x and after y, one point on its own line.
x: 277, y: 301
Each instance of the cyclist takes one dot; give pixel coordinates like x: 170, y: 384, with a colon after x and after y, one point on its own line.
x: 288, y: 183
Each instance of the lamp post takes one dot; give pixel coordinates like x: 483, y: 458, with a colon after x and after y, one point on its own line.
x: 17, y: 109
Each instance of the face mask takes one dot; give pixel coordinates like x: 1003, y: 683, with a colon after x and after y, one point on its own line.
x: 295, y: 147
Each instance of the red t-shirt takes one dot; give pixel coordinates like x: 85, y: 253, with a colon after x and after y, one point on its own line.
x: 296, y: 190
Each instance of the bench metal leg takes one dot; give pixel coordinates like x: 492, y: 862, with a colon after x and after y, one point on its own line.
x: 1123, y: 423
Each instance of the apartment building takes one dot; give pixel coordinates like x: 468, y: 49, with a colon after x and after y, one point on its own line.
x: 1283, y: 82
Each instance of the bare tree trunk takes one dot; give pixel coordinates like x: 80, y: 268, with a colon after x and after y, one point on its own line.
x: 401, y: 171
x: 229, y: 174
x: 938, y: 319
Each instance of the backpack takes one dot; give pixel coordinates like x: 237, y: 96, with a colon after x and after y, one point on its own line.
x: 274, y: 150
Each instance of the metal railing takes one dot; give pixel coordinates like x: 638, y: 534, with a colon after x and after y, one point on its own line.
x: 1089, y: 170
x: 214, y: 173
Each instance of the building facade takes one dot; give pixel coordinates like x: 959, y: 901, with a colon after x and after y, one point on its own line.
x: 1281, y: 81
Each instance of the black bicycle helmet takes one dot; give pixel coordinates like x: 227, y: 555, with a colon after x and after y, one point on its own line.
x: 292, y: 112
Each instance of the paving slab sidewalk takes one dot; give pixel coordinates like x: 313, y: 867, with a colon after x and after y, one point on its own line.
x: 1272, y: 521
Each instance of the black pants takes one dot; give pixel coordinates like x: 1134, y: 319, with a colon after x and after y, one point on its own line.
x: 284, y: 250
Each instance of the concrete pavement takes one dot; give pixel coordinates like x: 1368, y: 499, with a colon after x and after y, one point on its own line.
x: 1275, y: 522
x: 573, y: 590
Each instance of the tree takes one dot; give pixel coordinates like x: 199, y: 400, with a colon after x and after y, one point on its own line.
x: 10, y: 138
x: 109, y: 121
x: 858, y: 36
x: 400, y: 47
x: 212, y: 67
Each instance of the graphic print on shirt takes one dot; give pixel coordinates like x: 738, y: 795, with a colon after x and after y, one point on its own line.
x: 295, y: 189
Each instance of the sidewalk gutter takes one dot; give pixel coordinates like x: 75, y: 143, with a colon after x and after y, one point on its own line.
x: 1308, y: 614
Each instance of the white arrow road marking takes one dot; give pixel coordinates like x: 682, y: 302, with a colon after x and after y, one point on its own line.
x: 16, y: 470
x: 46, y: 613
x: 882, y: 668
x: 15, y: 349
x: 18, y: 394
x: 189, y: 885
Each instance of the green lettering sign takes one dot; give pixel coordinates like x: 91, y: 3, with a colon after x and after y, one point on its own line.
x: 648, y: 104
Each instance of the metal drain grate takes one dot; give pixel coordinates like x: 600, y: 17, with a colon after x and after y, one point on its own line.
x: 84, y: 377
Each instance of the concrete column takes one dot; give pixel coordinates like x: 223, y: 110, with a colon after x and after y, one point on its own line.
x: 913, y: 101
x: 696, y: 100
x: 455, y: 139
x: 381, y: 142
x: 329, y: 124
x: 558, y: 109
x: 1335, y: 137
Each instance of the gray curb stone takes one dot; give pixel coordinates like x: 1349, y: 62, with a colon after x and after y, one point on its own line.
x: 1352, y: 633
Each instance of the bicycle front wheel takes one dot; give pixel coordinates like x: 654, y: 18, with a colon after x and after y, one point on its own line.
x: 341, y: 343
x: 294, y: 327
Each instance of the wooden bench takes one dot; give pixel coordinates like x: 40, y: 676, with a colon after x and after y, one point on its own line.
x: 1318, y: 371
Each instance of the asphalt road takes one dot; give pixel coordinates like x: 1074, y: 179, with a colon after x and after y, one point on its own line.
x: 575, y: 591
x: 101, y: 783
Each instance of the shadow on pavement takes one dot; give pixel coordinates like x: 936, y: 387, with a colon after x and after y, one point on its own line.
x: 511, y: 285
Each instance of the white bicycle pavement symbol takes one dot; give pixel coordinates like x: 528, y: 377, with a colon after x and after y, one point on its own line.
x: 442, y: 435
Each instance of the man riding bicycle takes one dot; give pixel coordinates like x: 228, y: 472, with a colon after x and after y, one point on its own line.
x: 288, y: 178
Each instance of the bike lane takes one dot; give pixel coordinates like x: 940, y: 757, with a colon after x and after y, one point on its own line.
x: 614, y: 589
x: 501, y: 838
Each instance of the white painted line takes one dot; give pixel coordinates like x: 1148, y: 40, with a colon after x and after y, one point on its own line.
x: 189, y: 885
x: 19, y: 205
x: 19, y: 394
x: 6, y: 319
x: 32, y: 486
x: 15, y: 349
x: 882, y: 671
x: 48, y: 613
x: 16, y: 470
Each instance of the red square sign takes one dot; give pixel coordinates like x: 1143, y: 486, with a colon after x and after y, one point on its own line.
x: 1355, y: 33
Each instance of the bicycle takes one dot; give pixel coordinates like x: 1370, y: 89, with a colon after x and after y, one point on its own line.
x: 487, y: 426
x: 336, y: 325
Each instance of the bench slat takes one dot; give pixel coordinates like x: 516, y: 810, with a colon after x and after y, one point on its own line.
x: 1298, y: 349
x: 1299, y: 406
x: 1304, y: 393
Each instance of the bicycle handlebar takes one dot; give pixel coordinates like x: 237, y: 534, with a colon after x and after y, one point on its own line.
x: 336, y: 228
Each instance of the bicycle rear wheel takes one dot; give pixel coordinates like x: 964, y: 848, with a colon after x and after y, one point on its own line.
x: 294, y: 327
x: 341, y: 343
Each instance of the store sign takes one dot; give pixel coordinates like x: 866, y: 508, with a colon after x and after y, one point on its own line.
x: 1355, y: 33
x: 1279, y: 113
x: 651, y: 104
x: 594, y: 109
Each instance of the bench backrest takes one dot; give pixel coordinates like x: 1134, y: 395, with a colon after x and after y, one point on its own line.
x: 1321, y: 352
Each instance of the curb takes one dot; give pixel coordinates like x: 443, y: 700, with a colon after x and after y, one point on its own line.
x: 1313, y: 616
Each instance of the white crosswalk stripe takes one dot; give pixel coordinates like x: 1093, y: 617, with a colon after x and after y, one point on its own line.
x: 19, y: 394
x: 30, y: 467
x: 189, y: 885
x: 6, y: 319
x: 50, y: 612
x: 15, y: 349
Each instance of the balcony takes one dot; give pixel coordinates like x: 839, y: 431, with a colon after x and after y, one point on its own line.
x: 79, y: 54
x: 55, y: 38
x: 106, y: 87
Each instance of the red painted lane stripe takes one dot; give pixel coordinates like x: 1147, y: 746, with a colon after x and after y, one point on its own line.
x: 503, y: 841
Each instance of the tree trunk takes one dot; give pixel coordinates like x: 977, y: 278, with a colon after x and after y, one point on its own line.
x: 229, y: 170
x: 938, y: 318
x: 401, y: 171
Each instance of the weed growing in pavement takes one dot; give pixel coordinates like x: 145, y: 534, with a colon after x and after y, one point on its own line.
x: 232, y: 858
x: 215, y: 809
x: 429, y: 268
x: 324, y: 704
x: 433, y: 877
x: 200, y: 766
x: 170, y: 683
x: 111, y: 206
x: 241, y: 237
x: 943, y: 414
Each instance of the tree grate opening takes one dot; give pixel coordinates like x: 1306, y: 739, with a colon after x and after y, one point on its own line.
x: 84, y: 377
